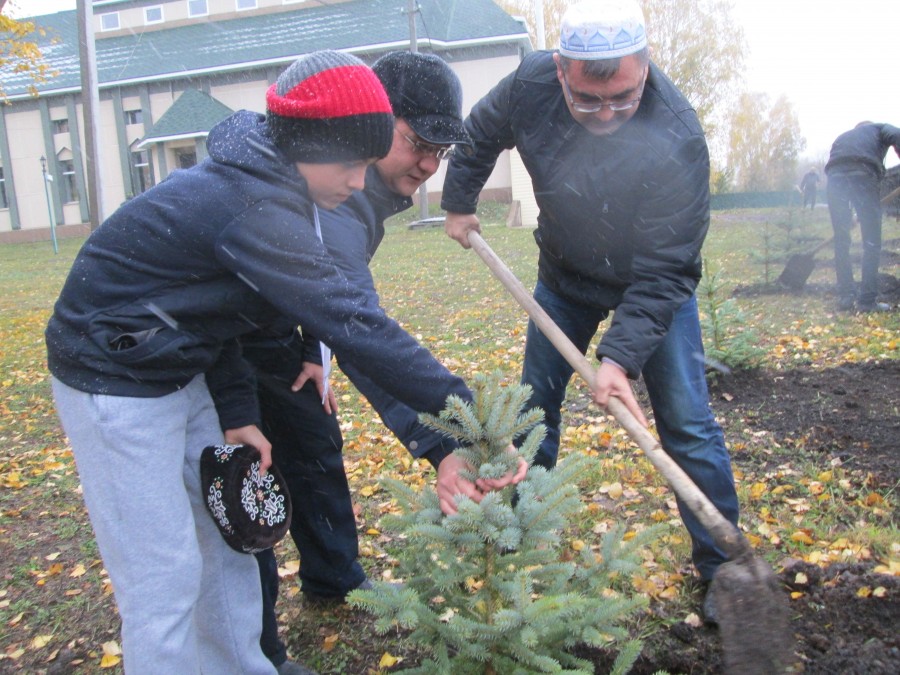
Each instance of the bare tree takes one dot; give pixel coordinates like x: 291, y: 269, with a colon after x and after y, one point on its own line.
x: 553, y: 11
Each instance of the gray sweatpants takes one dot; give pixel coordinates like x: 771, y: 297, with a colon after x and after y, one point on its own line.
x: 189, y: 603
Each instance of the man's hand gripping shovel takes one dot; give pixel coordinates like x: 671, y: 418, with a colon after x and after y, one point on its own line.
x: 751, y: 607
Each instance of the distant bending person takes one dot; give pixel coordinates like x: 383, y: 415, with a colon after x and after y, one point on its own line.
x: 855, y: 168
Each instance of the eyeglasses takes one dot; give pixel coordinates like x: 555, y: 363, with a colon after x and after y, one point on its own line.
x: 428, y: 149
x: 615, y: 106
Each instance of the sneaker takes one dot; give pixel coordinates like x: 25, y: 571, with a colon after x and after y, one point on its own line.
x: 874, y: 307
x: 294, y: 668
x: 710, y: 613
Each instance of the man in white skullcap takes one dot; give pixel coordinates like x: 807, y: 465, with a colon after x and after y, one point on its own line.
x: 620, y: 170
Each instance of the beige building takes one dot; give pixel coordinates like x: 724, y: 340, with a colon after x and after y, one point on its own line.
x: 168, y: 70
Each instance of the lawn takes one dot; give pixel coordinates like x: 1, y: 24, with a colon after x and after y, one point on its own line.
x: 812, y: 432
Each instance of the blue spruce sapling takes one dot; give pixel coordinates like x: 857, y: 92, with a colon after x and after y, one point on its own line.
x: 486, y: 590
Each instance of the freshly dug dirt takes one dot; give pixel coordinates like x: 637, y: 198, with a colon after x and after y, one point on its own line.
x: 850, y: 414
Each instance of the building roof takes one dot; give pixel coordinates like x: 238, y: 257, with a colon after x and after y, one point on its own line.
x: 192, y: 115
x: 268, y: 39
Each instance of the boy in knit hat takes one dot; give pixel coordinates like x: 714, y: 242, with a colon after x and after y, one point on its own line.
x: 144, y: 336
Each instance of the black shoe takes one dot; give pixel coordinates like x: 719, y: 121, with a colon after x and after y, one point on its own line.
x: 710, y: 613
x: 874, y: 307
x: 328, y: 599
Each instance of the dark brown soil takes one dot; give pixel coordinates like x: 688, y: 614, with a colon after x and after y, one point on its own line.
x: 848, y: 414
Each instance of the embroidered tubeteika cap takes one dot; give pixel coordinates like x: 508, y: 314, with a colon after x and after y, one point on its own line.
x: 602, y: 29
x: 252, y: 512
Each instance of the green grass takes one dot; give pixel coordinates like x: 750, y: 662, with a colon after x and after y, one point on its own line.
x: 447, y: 298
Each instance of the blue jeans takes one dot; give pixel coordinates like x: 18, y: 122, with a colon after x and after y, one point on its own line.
x: 676, y: 383
x: 858, y: 191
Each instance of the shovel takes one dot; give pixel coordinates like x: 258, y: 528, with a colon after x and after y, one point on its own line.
x: 798, y: 268
x: 753, y: 620
x: 800, y: 265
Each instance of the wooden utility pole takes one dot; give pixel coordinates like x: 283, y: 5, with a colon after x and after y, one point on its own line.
x: 411, y: 10
x: 90, y: 105
x: 539, y: 24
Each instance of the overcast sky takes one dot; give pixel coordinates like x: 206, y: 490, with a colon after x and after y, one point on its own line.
x: 835, y: 61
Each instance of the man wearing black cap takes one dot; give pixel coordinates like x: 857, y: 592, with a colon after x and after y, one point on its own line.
x: 298, y: 411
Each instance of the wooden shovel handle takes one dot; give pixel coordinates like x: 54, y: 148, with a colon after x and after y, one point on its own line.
x: 723, y: 532
x: 889, y: 197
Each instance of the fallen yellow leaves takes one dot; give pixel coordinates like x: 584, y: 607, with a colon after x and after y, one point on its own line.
x: 13, y: 480
x: 866, y: 592
x: 892, y: 568
x: 613, y: 490
x: 330, y: 642
x: 112, y: 654
x: 41, y: 641
x: 802, y: 537
x: 757, y: 490
x: 388, y: 661
x: 289, y: 569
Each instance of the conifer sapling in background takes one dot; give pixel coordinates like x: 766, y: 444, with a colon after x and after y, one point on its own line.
x: 486, y: 590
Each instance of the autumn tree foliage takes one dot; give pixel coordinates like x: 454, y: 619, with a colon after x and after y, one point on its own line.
x: 764, y: 143
x: 19, y: 53
x: 491, y: 589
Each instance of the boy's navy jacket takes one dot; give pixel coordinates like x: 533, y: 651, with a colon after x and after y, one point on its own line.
x: 352, y: 233
x: 161, y: 291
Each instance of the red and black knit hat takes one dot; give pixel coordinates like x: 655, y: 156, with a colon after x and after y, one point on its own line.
x: 329, y: 107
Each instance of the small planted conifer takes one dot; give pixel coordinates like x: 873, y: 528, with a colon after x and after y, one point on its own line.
x: 488, y: 590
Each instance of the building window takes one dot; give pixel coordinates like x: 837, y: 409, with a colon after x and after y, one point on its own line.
x: 245, y: 4
x: 153, y: 14
x: 68, y: 185
x: 197, y: 8
x: 134, y: 117
x: 60, y: 126
x: 4, y: 202
x: 185, y: 158
x: 109, y: 21
x: 143, y: 172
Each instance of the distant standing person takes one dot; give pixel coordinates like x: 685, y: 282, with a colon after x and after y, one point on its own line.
x: 808, y: 186
x: 855, y: 168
